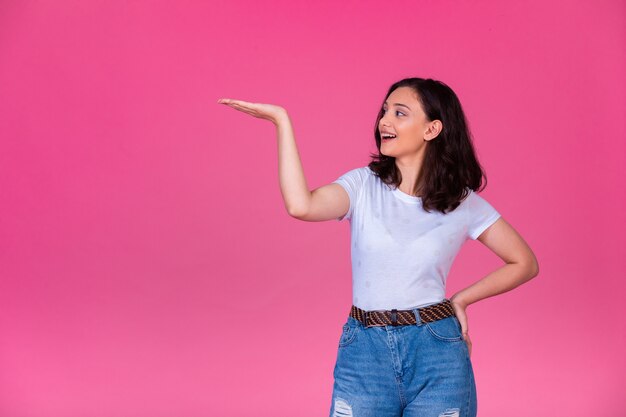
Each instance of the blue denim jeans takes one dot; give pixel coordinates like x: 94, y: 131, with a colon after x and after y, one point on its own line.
x: 421, y: 370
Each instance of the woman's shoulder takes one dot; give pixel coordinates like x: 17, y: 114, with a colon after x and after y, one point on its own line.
x: 363, y: 169
x: 473, y: 195
x: 475, y: 202
x: 361, y: 172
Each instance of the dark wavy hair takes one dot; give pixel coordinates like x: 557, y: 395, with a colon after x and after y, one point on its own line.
x: 450, y: 164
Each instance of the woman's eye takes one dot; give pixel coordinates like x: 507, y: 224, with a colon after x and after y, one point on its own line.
x: 397, y: 111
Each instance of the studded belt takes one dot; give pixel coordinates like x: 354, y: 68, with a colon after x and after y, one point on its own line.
x: 395, y: 317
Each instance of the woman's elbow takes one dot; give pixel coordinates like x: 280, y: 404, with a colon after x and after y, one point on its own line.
x: 533, y: 268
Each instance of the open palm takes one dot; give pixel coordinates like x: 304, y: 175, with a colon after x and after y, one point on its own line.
x: 261, y: 110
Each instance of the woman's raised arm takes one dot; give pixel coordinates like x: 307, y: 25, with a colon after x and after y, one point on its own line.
x: 324, y: 203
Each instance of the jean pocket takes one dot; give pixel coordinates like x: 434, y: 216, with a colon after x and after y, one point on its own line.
x: 348, y: 334
x: 447, y: 330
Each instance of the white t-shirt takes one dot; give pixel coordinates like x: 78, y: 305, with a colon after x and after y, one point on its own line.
x: 401, y: 254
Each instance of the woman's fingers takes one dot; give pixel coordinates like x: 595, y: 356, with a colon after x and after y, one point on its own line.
x: 460, y: 314
x: 238, y: 103
x: 465, y: 332
x: 260, y: 110
x: 245, y: 106
x: 232, y: 101
x: 459, y: 311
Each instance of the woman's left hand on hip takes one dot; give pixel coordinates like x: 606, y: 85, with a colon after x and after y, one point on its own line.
x: 459, y: 311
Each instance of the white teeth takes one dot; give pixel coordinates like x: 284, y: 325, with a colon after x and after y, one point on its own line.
x: 388, y: 135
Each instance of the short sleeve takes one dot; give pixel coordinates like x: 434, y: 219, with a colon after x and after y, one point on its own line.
x: 352, y: 181
x: 481, y: 215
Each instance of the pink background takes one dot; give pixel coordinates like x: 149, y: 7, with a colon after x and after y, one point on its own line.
x: 148, y: 265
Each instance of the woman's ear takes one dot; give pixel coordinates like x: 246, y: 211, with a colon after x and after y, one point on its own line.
x: 434, y: 128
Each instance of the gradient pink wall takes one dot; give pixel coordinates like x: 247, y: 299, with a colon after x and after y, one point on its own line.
x: 148, y: 265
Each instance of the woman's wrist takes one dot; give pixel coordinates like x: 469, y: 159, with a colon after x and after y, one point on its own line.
x: 459, y: 300
x: 281, y: 118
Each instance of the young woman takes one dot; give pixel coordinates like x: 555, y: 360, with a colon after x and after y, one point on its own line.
x: 405, y: 348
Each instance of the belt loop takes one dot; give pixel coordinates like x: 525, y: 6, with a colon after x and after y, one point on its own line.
x: 394, y: 317
x: 418, y: 319
x: 365, y: 318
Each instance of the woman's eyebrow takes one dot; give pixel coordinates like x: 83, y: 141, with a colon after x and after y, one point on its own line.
x: 400, y: 104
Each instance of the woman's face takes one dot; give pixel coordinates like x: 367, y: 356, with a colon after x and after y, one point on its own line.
x: 403, y: 117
